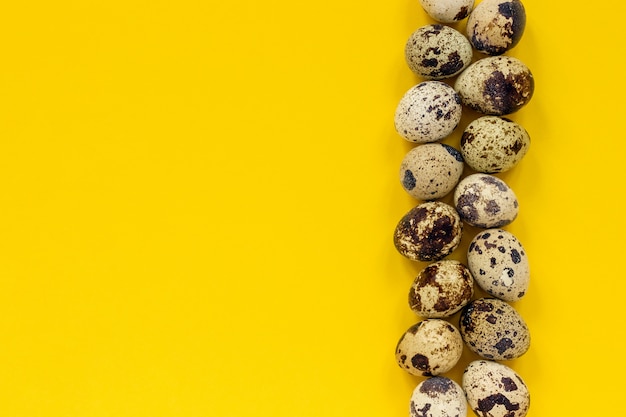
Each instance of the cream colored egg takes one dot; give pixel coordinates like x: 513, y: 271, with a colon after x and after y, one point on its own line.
x: 499, y: 264
x: 431, y: 171
x: 496, y: 85
x: 428, y: 112
x: 495, y: 390
x: 437, y: 51
x: 493, y: 329
x: 428, y: 232
x: 496, y: 26
x: 430, y: 347
x: 483, y: 200
x: 441, y: 289
x: 493, y: 144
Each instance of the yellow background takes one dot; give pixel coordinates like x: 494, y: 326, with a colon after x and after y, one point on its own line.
x: 197, y: 201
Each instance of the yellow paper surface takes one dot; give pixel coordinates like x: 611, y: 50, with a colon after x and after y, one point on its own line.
x: 197, y: 202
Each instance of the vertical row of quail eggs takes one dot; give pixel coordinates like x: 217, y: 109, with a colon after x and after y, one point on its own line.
x: 494, y: 85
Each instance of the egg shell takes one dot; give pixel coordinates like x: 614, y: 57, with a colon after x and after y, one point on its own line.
x: 493, y: 329
x: 485, y: 201
x: 428, y: 112
x: 499, y: 265
x: 496, y: 85
x: 496, y: 26
x: 492, y: 144
x: 437, y: 51
x: 428, y: 232
x: 441, y: 289
x: 438, y: 396
x: 495, y: 390
x: 430, y: 347
x: 447, y: 11
x: 431, y: 171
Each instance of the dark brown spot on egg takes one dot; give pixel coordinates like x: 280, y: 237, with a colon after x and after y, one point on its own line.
x: 442, y: 304
x: 413, y: 329
x: 483, y: 305
x: 467, y: 138
x: 408, y: 181
x: 504, y: 344
x: 479, y: 43
x: 453, y: 152
x: 465, y: 319
x: 429, y: 62
x: 420, y: 362
x: 489, y: 245
x: 509, y: 384
x: 428, y: 232
x: 492, y: 207
x: 507, y: 94
x: 514, y: 10
x: 466, y: 207
x: 462, y: 14
x: 436, y: 385
x: 453, y: 65
x: 491, y: 180
x: 435, y: 29
x: 420, y: 412
x: 486, y: 404
x: 516, y: 147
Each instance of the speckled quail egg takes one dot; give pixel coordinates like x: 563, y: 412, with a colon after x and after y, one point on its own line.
x: 485, y: 201
x: 492, y: 144
x: 493, y: 329
x: 430, y: 347
x: 447, y: 11
x: 437, y: 51
x: 428, y: 112
x: 431, y: 171
x: 441, y: 289
x: 495, y: 390
x: 428, y: 232
x: 496, y: 85
x: 495, y: 26
x: 438, y: 396
x: 499, y: 264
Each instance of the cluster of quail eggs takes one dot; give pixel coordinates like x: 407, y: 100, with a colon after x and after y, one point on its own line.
x: 493, y: 85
